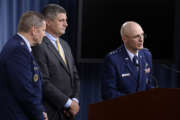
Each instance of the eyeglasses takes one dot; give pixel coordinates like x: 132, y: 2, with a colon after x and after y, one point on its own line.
x: 138, y: 36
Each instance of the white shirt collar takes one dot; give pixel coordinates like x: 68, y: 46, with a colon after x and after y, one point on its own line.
x: 26, y: 41
x: 131, y: 55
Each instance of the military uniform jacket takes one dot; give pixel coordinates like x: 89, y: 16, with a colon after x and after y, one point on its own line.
x: 20, y: 83
x: 120, y: 76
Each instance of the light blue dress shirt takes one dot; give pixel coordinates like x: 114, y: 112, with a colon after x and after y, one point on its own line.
x: 131, y: 55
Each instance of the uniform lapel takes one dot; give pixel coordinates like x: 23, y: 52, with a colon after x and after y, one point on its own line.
x: 22, y: 42
x: 129, y: 63
x: 141, y: 67
x: 35, y: 65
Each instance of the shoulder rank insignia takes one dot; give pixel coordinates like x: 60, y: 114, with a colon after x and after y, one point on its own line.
x: 22, y: 43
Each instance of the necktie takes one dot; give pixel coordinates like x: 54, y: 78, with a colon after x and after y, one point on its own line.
x: 61, y: 53
x: 135, y: 60
x: 136, y: 63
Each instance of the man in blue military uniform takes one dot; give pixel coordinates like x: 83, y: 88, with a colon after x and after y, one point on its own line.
x: 20, y: 80
x: 128, y: 69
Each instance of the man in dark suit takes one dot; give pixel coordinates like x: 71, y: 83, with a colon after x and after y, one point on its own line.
x: 127, y: 69
x: 20, y: 79
x: 61, y: 84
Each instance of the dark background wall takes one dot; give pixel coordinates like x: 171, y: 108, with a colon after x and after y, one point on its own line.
x: 102, y: 19
x: 90, y: 73
x: 166, y: 74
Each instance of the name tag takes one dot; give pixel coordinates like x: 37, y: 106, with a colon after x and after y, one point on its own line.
x: 126, y: 75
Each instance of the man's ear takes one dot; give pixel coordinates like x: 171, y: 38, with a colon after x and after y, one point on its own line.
x: 48, y: 21
x: 124, y: 39
x: 33, y: 30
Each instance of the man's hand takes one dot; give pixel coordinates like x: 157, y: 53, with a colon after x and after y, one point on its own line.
x: 68, y: 114
x: 45, y: 116
x: 74, y: 108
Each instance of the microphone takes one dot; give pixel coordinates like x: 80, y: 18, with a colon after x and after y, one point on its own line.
x: 155, y: 81
x: 170, y: 68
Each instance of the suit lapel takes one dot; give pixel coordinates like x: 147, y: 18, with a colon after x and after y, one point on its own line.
x: 55, y: 52
x: 68, y: 58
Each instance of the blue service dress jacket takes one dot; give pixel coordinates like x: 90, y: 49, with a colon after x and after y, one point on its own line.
x: 120, y: 75
x: 20, y: 83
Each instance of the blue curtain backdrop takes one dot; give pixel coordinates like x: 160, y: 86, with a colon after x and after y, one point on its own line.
x: 10, y: 12
x: 90, y: 73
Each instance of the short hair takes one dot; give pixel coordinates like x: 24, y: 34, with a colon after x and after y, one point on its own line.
x: 124, y: 27
x: 30, y: 19
x: 51, y: 11
x: 122, y: 30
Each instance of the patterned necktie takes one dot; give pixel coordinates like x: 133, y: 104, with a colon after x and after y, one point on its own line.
x: 61, y: 53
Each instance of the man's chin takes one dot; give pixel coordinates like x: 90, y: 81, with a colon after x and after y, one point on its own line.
x: 139, y: 48
x: 62, y: 33
x: 35, y: 44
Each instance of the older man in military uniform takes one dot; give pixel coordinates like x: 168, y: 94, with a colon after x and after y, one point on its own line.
x: 127, y: 69
x: 20, y: 80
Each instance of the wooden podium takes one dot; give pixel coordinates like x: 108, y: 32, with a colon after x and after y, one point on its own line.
x: 155, y: 104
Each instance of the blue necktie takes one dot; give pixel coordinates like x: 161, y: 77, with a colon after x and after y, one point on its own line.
x: 136, y: 62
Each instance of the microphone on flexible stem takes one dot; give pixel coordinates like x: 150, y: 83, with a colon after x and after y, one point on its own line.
x: 166, y: 67
x: 152, y: 81
x: 155, y: 81
x: 170, y: 68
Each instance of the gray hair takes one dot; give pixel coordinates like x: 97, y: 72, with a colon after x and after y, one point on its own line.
x: 30, y: 19
x: 51, y: 11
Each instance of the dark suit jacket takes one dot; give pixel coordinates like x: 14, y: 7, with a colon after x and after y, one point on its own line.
x: 60, y: 81
x: 120, y: 76
x: 20, y: 83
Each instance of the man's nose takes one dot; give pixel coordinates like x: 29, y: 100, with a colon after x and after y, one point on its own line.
x: 141, y: 38
x: 65, y: 23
